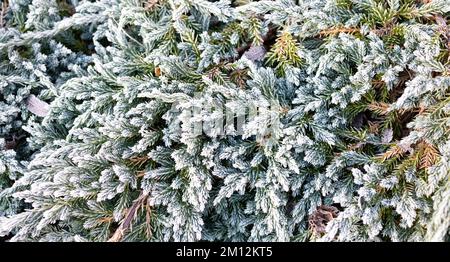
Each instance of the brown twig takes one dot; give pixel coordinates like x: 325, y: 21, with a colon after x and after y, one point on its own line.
x: 148, y: 213
x: 139, y: 160
x: 129, y: 217
x: 140, y: 174
x: 379, y: 108
x: 337, y: 30
x: 105, y: 220
x: 350, y: 30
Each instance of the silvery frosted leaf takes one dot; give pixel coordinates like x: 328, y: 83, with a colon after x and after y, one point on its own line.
x: 387, y: 136
x: 255, y: 53
x: 37, y: 106
x: 2, y: 167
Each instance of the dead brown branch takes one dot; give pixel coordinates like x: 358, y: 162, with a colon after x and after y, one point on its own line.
x: 338, y: 30
x: 3, y: 10
x: 429, y: 156
x: 319, y: 219
x: 394, y: 151
x: 129, y: 217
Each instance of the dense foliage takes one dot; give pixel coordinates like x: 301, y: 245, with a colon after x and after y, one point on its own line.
x: 339, y: 125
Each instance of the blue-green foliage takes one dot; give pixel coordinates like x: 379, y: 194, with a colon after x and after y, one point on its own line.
x: 354, y: 123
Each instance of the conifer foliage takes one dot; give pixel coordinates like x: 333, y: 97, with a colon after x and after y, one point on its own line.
x: 115, y: 120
